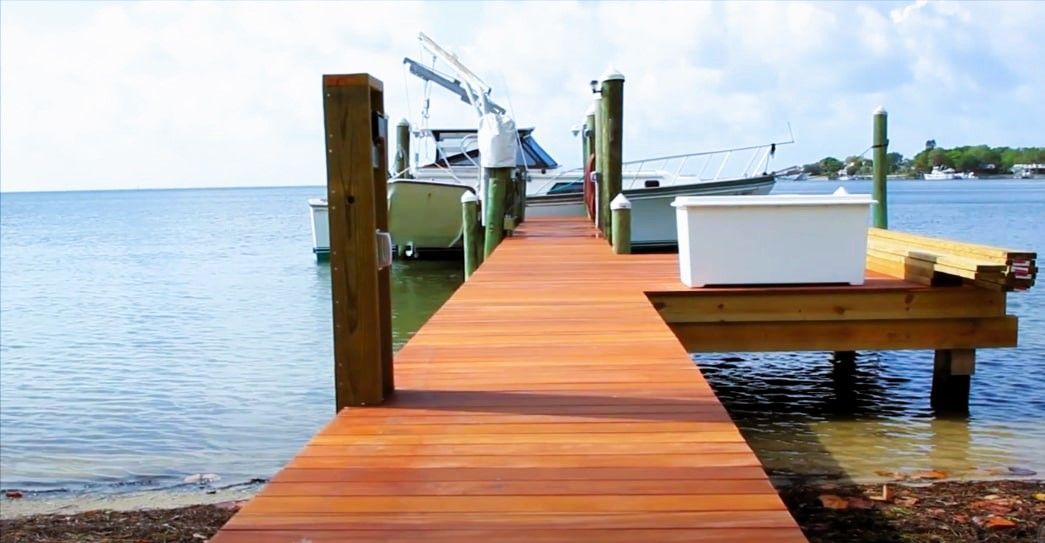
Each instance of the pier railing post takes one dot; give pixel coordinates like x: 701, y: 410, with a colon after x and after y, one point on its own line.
x: 621, y: 238
x: 357, y: 165
x: 470, y: 224
x: 612, y: 105
x: 880, y: 144
x: 402, y: 159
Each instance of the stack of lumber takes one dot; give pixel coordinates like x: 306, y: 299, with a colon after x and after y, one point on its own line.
x: 925, y: 260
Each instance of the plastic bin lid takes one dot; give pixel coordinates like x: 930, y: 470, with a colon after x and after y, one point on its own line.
x: 773, y: 200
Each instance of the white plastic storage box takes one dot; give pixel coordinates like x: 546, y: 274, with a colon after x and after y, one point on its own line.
x: 776, y: 239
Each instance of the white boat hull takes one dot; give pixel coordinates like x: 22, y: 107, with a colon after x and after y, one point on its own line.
x: 426, y: 215
x: 652, y: 217
x: 320, y: 227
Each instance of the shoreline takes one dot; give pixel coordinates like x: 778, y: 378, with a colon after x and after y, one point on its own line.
x: 827, y: 509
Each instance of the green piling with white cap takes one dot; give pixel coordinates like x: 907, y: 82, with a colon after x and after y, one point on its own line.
x: 470, y: 231
x: 612, y: 111
x: 495, y: 207
x: 620, y: 208
x: 880, y: 144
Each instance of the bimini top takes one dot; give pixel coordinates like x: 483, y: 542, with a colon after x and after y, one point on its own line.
x: 460, y: 147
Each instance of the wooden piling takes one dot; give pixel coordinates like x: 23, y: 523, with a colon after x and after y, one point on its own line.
x: 621, y: 221
x: 402, y: 160
x: 521, y: 178
x: 952, y: 379
x: 589, y: 146
x: 612, y: 105
x: 470, y: 226
x: 357, y: 165
x: 880, y: 144
x: 494, y: 211
x: 599, y: 137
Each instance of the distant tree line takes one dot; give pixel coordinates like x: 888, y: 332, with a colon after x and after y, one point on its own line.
x: 981, y: 159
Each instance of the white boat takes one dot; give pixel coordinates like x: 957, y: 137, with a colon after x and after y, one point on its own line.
x: 941, y: 174
x: 424, y: 208
x: 1028, y: 171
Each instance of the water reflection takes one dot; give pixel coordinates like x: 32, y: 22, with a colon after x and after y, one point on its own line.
x: 806, y: 415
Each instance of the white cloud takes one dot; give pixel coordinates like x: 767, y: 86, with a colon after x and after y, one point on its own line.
x: 162, y: 94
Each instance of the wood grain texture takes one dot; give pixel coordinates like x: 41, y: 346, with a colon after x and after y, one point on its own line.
x: 548, y: 400
x: 353, y: 188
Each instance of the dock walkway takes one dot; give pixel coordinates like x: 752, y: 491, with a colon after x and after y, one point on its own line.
x: 546, y: 401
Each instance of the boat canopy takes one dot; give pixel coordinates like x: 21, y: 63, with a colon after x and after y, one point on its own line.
x: 460, y: 147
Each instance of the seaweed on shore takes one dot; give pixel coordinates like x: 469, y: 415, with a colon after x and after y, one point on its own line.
x: 941, y: 512
x: 192, y: 524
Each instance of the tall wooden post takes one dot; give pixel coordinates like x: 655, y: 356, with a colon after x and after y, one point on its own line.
x: 612, y: 105
x: 952, y: 379
x: 493, y: 214
x: 357, y: 166
x: 402, y: 161
x: 880, y: 144
x: 470, y: 224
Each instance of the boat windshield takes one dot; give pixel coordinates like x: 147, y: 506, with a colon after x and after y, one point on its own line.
x: 461, y: 148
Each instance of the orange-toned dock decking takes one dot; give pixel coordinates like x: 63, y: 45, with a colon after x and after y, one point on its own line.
x: 550, y: 399
x: 546, y: 401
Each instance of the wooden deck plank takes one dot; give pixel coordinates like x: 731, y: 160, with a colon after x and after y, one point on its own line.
x: 452, y: 521
x: 512, y: 535
x: 546, y: 401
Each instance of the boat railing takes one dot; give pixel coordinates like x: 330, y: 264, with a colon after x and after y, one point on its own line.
x: 668, y: 170
x: 698, y: 166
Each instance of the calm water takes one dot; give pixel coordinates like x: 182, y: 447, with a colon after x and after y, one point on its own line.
x: 147, y: 335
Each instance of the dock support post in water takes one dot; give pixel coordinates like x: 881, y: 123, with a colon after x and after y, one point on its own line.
x: 621, y: 221
x: 493, y: 213
x: 470, y: 224
x: 612, y: 105
x: 356, y: 133
x: 880, y: 145
x: 952, y: 377
x: 402, y: 161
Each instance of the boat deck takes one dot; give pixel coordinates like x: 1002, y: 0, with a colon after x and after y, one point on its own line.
x: 546, y: 401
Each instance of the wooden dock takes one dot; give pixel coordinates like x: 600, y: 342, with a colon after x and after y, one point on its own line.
x: 548, y: 400
x: 552, y: 398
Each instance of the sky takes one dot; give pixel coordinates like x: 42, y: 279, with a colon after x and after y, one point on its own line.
x: 100, y: 95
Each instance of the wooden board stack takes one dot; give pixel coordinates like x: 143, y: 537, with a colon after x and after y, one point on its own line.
x: 927, y: 260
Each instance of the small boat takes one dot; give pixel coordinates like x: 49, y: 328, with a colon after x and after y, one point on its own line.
x: 1027, y: 171
x: 939, y: 173
x: 424, y: 209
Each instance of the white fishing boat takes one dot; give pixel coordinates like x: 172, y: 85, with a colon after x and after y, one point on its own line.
x: 1028, y: 171
x: 424, y: 207
x: 424, y: 203
x: 939, y: 173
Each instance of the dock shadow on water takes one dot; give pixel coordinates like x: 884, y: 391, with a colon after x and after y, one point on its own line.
x: 806, y: 417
